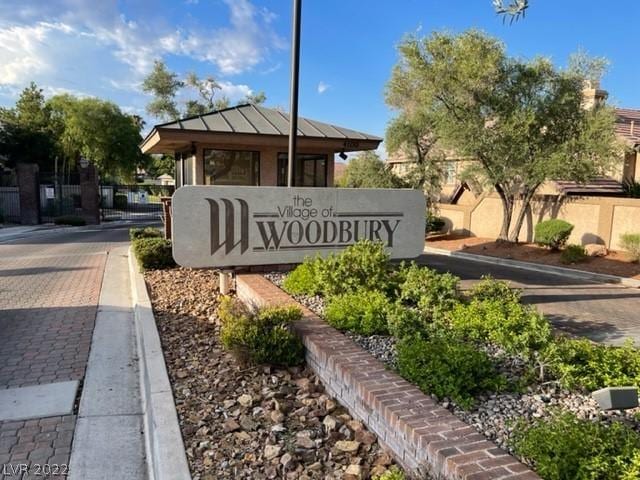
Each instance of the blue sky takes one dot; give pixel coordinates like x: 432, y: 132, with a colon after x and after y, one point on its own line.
x: 104, y: 48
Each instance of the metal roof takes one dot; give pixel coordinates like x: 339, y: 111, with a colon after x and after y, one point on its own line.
x: 258, y: 120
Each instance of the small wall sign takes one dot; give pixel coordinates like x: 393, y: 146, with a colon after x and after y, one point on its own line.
x: 228, y: 226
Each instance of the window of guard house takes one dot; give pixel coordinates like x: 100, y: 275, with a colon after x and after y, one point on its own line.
x: 231, y: 167
x: 309, y: 170
x: 450, y: 173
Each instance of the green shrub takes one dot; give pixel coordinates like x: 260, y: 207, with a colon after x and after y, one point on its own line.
x: 490, y: 289
x: 553, y: 233
x: 394, y: 473
x: 631, y: 243
x: 585, y: 364
x: 72, y: 220
x: 120, y: 201
x: 447, y: 367
x: 432, y: 293
x: 632, y: 471
x: 364, y: 265
x: 573, y: 254
x: 303, y: 280
x: 565, y: 448
x: 434, y: 224
x: 519, y: 329
x: 260, y: 337
x: 403, y: 322
x: 364, y: 312
x: 153, y: 253
x: 146, y: 232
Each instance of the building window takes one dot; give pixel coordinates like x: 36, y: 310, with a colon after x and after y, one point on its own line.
x: 187, y: 170
x: 309, y: 170
x: 231, y: 167
x: 450, y: 173
x: 178, y: 157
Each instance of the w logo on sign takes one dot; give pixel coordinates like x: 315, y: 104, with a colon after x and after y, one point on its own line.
x: 229, y: 242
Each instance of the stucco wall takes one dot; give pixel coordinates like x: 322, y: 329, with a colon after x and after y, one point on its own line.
x: 595, y: 219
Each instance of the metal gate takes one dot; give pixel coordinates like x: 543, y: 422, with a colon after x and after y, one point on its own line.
x: 133, y: 202
x: 59, y: 195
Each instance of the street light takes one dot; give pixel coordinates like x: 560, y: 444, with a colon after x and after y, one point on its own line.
x: 295, y: 74
x: 84, y: 162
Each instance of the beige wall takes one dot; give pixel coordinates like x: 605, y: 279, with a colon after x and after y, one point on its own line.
x: 595, y: 219
x: 268, y: 162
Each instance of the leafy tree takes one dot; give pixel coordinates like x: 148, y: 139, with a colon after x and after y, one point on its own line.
x: 160, y: 165
x: 523, y: 121
x: 515, y: 9
x: 98, y: 130
x: 367, y: 170
x: 257, y: 98
x: 24, y: 131
x: 163, y: 85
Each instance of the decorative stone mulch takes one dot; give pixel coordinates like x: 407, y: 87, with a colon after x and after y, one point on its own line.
x: 249, y: 422
x: 495, y: 416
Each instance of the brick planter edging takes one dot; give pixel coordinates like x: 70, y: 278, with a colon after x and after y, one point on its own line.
x: 424, y: 437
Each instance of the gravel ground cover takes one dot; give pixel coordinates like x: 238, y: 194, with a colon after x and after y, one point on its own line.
x: 495, y: 416
x: 250, y: 422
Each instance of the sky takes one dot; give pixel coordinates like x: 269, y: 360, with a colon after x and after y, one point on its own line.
x: 105, y: 48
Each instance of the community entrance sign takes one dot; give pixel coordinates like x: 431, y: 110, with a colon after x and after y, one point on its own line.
x: 229, y: 226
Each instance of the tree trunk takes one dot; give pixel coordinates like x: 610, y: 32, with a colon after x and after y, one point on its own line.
x: 526, y: 202
x: 507, y: 213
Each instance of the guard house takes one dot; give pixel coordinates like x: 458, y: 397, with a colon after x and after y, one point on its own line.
x: 247, y: 145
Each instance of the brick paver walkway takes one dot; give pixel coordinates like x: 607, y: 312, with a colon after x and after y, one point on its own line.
x: 49, y: 291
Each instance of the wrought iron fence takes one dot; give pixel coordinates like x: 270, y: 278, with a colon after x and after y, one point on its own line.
x: 9, y: 205
x: 58, y: 200
x: 133, y: 202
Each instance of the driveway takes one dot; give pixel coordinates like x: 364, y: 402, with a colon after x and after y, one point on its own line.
x: 50, y: 285
x: 602, y: 312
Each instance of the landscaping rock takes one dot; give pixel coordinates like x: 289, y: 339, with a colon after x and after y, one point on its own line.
x: 596, y: 250
x: 246, y: 422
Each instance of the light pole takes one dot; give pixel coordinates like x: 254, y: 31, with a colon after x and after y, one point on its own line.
x: 295, y: 75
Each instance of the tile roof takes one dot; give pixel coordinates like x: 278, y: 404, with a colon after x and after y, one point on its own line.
x: 258, y: 120
x: 597, y: 186
x: 628, y: 124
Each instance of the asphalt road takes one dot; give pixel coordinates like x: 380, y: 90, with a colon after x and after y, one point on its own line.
x: 602, y: 312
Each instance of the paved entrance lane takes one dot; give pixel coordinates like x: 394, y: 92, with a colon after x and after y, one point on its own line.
x: 602, y: 312
x: 49, y: 290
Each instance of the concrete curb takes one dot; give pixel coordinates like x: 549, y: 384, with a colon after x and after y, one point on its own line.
x: 166, y: 458
x: 535, y: 267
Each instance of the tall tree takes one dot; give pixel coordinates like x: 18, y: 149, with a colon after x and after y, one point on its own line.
x: 164, y: 86
x: 367, y: 170
x: 98, y: 130
x: 523, y: 122
x: 257, y: 98
x: 25, y: 135
x: 512, y: 10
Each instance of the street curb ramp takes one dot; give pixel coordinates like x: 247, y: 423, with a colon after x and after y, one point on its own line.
x: 166, y: 459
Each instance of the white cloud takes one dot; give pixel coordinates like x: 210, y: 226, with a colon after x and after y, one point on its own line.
x: 323, y: 87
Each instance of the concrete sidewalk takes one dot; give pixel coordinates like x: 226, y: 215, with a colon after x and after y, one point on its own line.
x: 109, y: 438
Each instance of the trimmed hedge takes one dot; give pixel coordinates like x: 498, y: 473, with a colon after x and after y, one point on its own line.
x: 153, y: 253
x: 262, y: 337
x: 146, y: 232
x: 72, y: 220
x: 364, y: 312
x: 573, y: 254
x: 553, y: 233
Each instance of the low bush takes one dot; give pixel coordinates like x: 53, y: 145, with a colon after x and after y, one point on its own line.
x: 447, y: 367
x: 262, y: 337
x: 72, y: 220
x: 519, y: 329
x: 403, y: 322
x: 490, y: 289
x: 564, y: 447
x: 553, y: 233
x: 434, y: 224
x: 303, y: 280
x: 573, y: 254
x: 631, y: 243
x: 146, y: 232
x: 120, y: 201
x: 364, y: 312
x: 364, y: 265
x: 153, y: 253
x: 585, y: 364
x: 394, y: 473
x: 432, y: 293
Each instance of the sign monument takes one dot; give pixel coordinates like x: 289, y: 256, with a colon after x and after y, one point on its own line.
x: 229, y: 226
